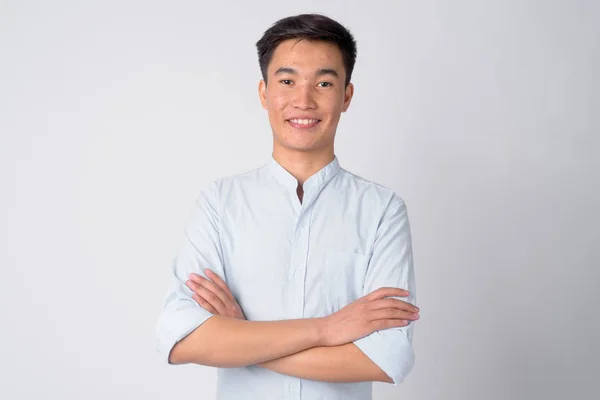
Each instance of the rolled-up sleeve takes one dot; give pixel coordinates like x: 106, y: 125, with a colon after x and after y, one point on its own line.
x: 391, y: 265
x: 200, y: 249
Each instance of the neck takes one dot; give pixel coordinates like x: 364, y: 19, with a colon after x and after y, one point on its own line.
x: 302, y: 165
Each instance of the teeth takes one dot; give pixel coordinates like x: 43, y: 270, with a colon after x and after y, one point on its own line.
x: 304, y: 121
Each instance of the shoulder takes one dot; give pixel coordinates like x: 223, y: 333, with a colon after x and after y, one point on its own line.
x: 369, y: 190
x: 219, y: 188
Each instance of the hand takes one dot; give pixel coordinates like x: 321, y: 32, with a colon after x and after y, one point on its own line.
x: 366, y: 315
x: 213, y: 295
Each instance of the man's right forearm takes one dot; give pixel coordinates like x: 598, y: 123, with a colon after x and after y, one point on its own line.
x: 229, y: 342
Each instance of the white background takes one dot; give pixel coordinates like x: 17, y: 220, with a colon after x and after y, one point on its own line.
x: 481, y: 115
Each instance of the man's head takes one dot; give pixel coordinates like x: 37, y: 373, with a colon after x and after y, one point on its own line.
x: 306, y: 63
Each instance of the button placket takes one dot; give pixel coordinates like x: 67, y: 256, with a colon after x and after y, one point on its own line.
x: 298, y: 248
x: 302, y: 265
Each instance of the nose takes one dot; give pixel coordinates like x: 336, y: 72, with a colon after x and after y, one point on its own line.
x: 304, y: 97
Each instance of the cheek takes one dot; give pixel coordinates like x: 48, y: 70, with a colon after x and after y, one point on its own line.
x: 334, y: 103
x: 332, y: 112
x: 277, y: 102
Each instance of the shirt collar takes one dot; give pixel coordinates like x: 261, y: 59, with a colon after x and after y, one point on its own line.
x: 312, y: 184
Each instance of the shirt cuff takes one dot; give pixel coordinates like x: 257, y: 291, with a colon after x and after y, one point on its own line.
x: 176, y: 322
x: 391, y: 350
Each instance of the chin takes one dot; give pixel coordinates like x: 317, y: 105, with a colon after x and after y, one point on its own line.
x: 288, y: 145
x: 300, y: 148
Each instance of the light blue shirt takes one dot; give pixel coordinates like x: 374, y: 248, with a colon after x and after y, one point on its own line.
x: 286, y: 259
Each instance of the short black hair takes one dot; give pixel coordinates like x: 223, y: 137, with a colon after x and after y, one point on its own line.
x: 307, y: 26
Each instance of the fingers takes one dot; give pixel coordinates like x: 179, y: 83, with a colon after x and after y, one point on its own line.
x: 381, y: 324
x: 204, y: 304
x: 393, y: 314
x: 387, y: 292
x: 212, y: 286
x: 220, y: 283
x: 393, y: 303
x: 212, y: 294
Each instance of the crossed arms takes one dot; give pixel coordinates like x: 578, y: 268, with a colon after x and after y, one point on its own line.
x: 317, y: 348
x: 368, y: 340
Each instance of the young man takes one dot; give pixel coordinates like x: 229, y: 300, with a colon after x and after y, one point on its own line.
x: 289, y: 276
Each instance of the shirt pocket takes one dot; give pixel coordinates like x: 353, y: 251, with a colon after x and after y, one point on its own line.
x: 345, y: 276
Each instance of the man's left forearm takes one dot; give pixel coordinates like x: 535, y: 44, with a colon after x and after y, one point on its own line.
x: 344, y: 363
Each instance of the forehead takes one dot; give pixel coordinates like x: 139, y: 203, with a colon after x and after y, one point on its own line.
x: 304, y: 54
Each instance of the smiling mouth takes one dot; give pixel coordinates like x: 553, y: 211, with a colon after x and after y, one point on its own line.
x: 303, y: 123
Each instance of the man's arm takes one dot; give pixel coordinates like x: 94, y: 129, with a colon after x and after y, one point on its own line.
x: 391, y: 264
x: 200, y: 248
x: 345, y: 363
x: 235, y: 342
x: 229, y: 342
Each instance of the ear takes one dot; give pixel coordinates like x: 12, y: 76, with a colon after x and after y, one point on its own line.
x: 262, y: 93
x: 348, y: 96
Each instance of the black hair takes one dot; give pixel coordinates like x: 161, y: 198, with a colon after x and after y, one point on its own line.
x: 307, y: 26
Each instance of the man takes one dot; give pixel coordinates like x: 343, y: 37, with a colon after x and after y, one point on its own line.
x: 289, y: 276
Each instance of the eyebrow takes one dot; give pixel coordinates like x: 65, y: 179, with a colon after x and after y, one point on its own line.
x: 320, y: 72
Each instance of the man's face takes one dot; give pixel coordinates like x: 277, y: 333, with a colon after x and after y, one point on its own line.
x: 305, y: 95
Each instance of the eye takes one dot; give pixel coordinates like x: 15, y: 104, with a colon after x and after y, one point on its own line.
x: 286, y: 81
x: 325, y: 84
